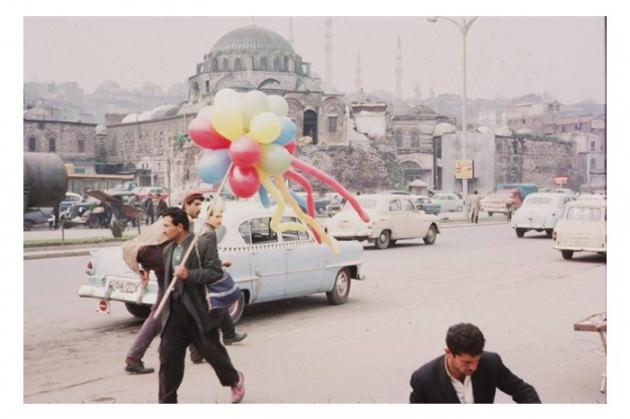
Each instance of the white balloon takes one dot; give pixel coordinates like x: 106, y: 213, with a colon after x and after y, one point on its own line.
x: 227, y: 97
x: 278, y: 105
x: 253, y: 103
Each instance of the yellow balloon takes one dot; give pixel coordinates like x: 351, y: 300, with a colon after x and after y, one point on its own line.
x: 253, y: 103
x: 265, y: 127
x: 228, y: 121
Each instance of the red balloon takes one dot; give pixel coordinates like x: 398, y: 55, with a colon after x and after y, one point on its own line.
x: 244, y: 181
x: 204, y: 135
x: 291, y: 146
x: 245, y: 152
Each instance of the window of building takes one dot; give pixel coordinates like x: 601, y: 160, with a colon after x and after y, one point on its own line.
x: 32, y: 144
x: 593, y: 164
x: 286, y: 64
x: 226, y: 64
x: 276, y: 64
x: 263, y: 63
x: 52, y: 146
x: 332, y: 124
x: 41, y: 125
x: 592, y: 145
x: 415, y: 140
x: 237, y: 65
x: 398, y: 138
x: 79, y: 170
x: 81, y: 146
x: 215, y: 64
x: 207, y: 86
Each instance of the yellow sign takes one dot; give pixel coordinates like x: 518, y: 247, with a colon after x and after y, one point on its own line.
x: 463, y: 169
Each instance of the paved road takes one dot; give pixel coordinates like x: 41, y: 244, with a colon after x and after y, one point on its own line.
x: 519, y: 291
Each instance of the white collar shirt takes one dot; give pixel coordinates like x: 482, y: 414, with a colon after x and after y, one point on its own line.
x: 463, y: 390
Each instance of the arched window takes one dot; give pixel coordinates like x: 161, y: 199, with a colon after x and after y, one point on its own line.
x: 32, y: 144
x: 286, y: 64
x: 215, y: 64
x: 226, y: 65
x: 237, y: 65
x: 415, y: 140
x: 81, y: 146
x: 52, y: 145
x: 398, y: 138
x: 263, y: 63
x: 276, y: 64
x: 593, y: 164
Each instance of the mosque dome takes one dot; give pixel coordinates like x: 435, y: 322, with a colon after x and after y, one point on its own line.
x: 252, y: 39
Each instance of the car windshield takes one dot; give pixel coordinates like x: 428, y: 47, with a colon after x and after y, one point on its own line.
x: 365, y: 203
x: 538, y: 201
x: 584, y: 214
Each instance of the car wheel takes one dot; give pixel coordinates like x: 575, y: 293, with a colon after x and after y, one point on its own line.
x: 567, y: 254
x: 382, y: 242
x: 28, y: 225
x: 341, y: 288
x: 137, y: 310
x: 431, y: 235
x: 490, y: 213
x: 549, y: 232
x: 392, y: 242
x: 93, y: 222
x: 520, y: 232
x: 236, y: 310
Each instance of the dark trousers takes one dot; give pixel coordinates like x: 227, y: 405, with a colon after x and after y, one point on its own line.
x: 179, y: 332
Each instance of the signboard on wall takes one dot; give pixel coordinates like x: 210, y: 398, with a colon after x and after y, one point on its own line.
x: 561, y: 180
x: 464, y: 169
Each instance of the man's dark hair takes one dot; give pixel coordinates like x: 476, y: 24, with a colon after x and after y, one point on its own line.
x: 178, y: 216
x: 465, y: 338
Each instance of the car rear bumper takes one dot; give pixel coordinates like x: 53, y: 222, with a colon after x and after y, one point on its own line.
x: 580, y: 248
x: 107, y: 293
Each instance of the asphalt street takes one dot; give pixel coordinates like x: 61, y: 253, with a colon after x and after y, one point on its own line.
x: 520, y: 292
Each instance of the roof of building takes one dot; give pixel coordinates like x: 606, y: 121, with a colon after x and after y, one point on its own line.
x: 251, y: 39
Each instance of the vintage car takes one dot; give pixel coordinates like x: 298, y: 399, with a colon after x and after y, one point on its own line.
x: 448, y: 202
x: 503, y: 201
x: 539, y: 212
x: 267, y: 266
x: 582, y: 228
x: 424, y: 203
x: 392, y: 218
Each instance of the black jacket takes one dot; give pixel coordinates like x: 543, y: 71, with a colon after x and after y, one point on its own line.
x: 200, y: 273
x: 431, y: 383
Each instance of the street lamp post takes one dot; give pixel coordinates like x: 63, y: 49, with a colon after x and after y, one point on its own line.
x: 463, y: 27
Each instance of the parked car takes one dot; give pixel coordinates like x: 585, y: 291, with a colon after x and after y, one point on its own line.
x: 503, y: 201
x: 37, y: 217
x: 144, y: 191
x: 335, y: 200
x: 266, y: 265
x: 320, y: 203
x: 448, y: 202
x: 392, y: 218
x: 424, y: 203
x: 524, y: 189
x: 539, y: 212
x: 582, y: 228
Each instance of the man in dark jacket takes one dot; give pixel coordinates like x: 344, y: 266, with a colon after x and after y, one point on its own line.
x: 467, y: 374
x: 186, y: 317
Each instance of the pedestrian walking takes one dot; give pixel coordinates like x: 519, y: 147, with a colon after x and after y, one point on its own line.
x: 149, y: 209
x: 192, y: 206
x: 186, y: 317
x: 474, y: 201
x: 466, y: 373
x: 161, y: 206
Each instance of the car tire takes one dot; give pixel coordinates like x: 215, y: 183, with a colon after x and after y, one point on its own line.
x: 341, y: 288
x: 567, y: 254
x: 549, y: 232
x: 490, y: 213
x: 236, y: 310
x: 383, y: 240
x: 520, y: 232
x: 431, y: 235
x: 28, y: 225
x: 93, y: 222
x: 137, y: 310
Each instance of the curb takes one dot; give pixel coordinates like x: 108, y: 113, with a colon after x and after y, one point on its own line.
x: 61, y: 254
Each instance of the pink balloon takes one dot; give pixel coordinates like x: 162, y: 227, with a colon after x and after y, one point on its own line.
x: 244, y: 181
x: 291, y: 146
x: 202, y: 133
x: 245, y: 152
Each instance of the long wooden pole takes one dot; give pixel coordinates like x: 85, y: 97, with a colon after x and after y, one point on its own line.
x: 171, y: 286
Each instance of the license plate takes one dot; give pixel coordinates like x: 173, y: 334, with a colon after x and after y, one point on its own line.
x: 124, y: 286
x: 580, y: 242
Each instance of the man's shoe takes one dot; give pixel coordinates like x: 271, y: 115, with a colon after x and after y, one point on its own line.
x: 197, y: 359
x: 237, y: 337
x: 137, y: 367
x: 238, y: 389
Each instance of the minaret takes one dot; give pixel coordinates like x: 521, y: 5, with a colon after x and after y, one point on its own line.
x: 291, y: 31
x: 399, y: 70
x: 357, y: 77
x: 328, y: 52
x: 418, y: 92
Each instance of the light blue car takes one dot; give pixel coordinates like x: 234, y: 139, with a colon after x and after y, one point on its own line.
x: 267, y: 266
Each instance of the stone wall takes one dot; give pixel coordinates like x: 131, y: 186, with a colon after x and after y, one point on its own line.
x: 535, y: 160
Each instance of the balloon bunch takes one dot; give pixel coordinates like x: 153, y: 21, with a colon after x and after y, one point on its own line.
x: 250, y: 139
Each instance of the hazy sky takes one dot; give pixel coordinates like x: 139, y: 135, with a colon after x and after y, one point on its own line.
x: 507, y: 56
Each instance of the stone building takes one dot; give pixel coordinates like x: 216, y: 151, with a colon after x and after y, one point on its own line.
x: 77, y: 143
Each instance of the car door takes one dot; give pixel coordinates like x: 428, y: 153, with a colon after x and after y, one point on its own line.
x: 305, y: 261
x: 267, y: 259
x: 396, y: 218
x: 416, y: 220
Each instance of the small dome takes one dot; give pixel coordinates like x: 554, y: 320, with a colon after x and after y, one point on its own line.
x: 100, y: 130
x: 132, y: 117
x: 444, y: 128
x: 251, y: 39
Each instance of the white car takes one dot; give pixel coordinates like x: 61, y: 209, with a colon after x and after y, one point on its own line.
x: 539, y: 212
x: 266, y: 265
x: 392, y: 218
x: 582, y: 228
x: 448, y: 202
